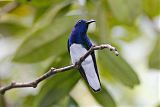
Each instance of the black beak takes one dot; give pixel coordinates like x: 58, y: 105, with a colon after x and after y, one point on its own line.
x: 90, y: 21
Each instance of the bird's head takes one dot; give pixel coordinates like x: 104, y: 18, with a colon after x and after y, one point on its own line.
x: 82, y: 25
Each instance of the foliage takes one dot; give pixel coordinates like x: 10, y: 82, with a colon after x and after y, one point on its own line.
x: 47, y: 35
x: 154, y: 59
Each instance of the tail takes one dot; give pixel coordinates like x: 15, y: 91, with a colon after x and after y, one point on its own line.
x: 89, y: 72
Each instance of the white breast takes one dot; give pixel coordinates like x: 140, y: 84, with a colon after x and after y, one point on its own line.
x: 76, y: 52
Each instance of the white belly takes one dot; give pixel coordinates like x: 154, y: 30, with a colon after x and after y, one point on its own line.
x: 76, y: 52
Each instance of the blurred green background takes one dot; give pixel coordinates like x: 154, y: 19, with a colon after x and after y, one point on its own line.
x: 33, y: 38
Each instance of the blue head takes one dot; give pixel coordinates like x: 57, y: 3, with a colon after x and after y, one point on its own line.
x: 82, y: 26
x: 79, y: 32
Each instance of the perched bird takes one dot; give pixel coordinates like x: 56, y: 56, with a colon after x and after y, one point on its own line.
x: 78, y: 44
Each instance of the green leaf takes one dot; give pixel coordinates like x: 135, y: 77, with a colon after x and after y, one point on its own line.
x: 68, y: 101
x: 36, y: 3
x: 104, y: 98
x: 72, y: 102
x: 62, y: 7
x: 2, y: 103
x: 118, y: 68
x: 158, y: 105
x: 3, y: 3
x: 57, y: 87
x: 64, y: 10
x: 51, y: 40
x: 11, y: 28
x: 102, y: 24
x: 124, y: 10
x: 28, y: 101
x: 154, y: 58
x: 151, y: 7
x: 40, y: 12
x: 51, y: 14
x: 43, y: 3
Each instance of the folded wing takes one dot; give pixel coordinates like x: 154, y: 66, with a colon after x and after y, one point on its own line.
x: 88, y: 68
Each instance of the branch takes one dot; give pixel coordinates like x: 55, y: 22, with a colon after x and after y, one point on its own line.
x: 53, y: 71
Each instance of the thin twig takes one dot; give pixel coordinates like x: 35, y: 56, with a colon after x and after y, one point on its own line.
x: 53, y: 71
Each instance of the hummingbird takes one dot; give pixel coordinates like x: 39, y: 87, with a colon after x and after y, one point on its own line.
x: 78, y: 45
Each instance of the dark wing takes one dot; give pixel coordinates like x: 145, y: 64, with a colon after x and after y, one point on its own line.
x: 95, y: 64
x: 95, y: 67
x: 88, y: 45
x: 85, y: 78
x: 68, y: 46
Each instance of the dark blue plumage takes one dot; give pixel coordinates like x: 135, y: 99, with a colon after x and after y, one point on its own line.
x: 78, y: 44
x: 78, y: 34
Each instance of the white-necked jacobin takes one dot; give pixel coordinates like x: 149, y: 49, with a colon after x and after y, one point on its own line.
x: 78, y: 44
